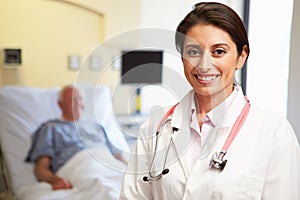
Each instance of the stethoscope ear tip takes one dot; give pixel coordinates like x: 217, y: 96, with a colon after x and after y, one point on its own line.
x: 145, y: 178
x: 155, y: 178
x: 165, y: 171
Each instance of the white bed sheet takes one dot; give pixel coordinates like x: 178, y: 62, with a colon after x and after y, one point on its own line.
x: 90, y: 174
x: 23, y: 109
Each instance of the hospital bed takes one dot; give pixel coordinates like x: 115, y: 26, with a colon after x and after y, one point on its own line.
x: 23, y: 109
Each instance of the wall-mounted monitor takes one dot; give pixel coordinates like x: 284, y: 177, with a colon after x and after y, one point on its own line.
x: 141, y: 66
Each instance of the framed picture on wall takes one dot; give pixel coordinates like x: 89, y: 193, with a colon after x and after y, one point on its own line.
x: 11, y: 57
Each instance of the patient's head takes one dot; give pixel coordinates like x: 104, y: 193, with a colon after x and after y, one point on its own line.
x: 71, y: 103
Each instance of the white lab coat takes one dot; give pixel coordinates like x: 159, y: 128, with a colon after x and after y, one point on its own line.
x: 263, y: 160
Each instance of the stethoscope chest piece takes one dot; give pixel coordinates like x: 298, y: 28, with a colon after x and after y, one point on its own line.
x: 217, y: 161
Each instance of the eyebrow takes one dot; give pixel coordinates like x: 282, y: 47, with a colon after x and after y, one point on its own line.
x: 221, y: 44
x: 213, y: 46
x: 192, y: 46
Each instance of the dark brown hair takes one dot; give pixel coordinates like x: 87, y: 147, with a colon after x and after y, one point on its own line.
x: 218, y: 15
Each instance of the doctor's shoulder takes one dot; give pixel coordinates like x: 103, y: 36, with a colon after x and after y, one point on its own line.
x: 156, y: 115
x: 270, y: 124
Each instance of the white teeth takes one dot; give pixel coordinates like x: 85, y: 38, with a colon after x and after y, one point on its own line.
x: 206, y: 78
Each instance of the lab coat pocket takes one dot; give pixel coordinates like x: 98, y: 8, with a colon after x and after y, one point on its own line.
x: 250, y: 187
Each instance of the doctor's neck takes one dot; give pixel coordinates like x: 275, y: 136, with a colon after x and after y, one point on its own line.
x: 206, y: 103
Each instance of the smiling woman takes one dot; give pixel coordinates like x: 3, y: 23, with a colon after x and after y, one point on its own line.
x: 213, y: 47
x: 204, y: 148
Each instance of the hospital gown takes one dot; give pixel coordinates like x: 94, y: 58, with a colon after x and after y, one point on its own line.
x: 60, y: 140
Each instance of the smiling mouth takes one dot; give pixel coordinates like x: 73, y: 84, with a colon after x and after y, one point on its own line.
x: 207, y: 78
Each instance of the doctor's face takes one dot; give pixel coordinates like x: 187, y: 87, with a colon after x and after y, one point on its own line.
x: 210, y: 59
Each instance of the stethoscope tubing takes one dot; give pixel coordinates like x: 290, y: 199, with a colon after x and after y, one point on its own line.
x: 164, y: 170
x: 237, y: 126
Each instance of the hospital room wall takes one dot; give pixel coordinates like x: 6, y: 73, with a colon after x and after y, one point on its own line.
x: 48, y: 31
x: 33, y: 24
x: 294, y: 72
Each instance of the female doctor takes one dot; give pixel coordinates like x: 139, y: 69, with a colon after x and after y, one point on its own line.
x: 213, y: 144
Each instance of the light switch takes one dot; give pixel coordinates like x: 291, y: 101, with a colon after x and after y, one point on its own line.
x: 74, y: 62
x: 95, y: 62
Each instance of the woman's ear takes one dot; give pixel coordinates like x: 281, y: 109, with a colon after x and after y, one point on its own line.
x: 242, y: 58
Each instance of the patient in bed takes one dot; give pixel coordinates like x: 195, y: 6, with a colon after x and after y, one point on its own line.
x: 57, y: 141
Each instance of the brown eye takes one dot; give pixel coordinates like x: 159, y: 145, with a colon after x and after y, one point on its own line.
x: 219, y: 52
x: 193, y: 52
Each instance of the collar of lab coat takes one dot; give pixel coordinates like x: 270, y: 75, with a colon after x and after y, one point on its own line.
x: 234, y: 109
x: 224, y: 115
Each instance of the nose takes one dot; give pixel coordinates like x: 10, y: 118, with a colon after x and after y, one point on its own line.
x: 204, y: 63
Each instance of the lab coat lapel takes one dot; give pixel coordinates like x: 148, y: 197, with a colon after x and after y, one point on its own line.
x: 182, y: 138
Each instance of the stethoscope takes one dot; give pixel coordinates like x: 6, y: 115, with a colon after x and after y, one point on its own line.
x: 161, y: 125
x: 217, y: 161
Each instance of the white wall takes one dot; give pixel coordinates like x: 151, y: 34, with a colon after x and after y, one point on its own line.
x: 165, y: 15
x: 168, y: 13
x: 294, y: 81
x: 268, y: 64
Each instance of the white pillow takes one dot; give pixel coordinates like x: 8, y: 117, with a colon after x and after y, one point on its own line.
x: 22, y: 110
